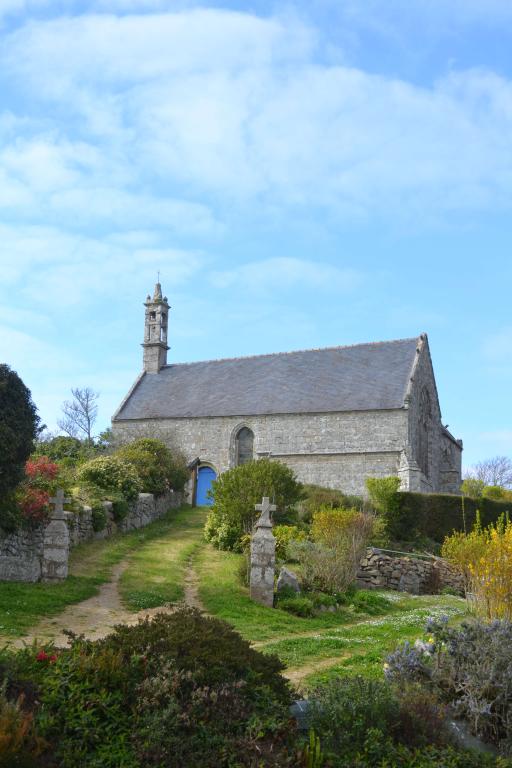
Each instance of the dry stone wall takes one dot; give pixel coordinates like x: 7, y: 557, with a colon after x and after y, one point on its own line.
x: 29, y: 555
x: 379, y: 570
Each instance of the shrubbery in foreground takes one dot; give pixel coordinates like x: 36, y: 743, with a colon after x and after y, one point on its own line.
x: 181, y: 690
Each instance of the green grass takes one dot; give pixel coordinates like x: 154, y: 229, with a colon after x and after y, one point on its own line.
x: 22, y: 605
x: 358, y: 637
x: 156, y: 572
x: 90, y: 565
x: 366, y: 644
x: 223, y: 596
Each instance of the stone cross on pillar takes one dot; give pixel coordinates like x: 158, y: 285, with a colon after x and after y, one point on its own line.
x: 263, y: 556
x: 265, y: 508
x: 54, y: 565
x: 58, y: 502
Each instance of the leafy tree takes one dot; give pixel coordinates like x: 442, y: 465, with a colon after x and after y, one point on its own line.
x: 157, y: 468
x: 237, y: 491
x: 18, y: 429
x: 59, y: 447
x: 472, y: 487
x: 80, y: 413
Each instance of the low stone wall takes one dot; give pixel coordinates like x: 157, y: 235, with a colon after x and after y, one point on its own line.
x: 380, y: 570
x: 23, y: 555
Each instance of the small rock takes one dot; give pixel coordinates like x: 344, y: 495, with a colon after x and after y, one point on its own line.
x: 287, y: 579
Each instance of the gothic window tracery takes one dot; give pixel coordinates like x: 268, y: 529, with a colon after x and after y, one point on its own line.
x: 425, y: 417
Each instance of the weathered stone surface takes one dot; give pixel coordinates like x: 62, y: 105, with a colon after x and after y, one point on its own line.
x: 20, y: 568
x: 337, y: 449
x: 287, y: 579
x: 54, y: 565
x: 43, y: 552
x: 263, y: 557
x: 407, y: 574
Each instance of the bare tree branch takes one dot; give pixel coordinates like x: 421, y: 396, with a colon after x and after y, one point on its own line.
x: 495, y: 471
x: 80, y: 413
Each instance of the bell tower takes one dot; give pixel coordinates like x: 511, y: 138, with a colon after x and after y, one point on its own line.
x: 155, y: 331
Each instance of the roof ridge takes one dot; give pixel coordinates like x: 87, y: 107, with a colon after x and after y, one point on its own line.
x: 295, y: 351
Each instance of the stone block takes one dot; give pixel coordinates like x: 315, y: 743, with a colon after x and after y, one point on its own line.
x: 287, y: 579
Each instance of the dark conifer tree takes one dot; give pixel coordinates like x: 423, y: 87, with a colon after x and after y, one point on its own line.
x: 18, y: 428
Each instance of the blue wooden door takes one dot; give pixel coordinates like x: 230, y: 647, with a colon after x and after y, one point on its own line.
x: 205, y: 478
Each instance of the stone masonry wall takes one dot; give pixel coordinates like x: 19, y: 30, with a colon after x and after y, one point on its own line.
x: 444, y: 453
x: 22, y: 552
x: 337, y: 450
x: 379, y: 570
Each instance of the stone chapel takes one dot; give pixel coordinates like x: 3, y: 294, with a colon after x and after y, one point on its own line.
x: 335, y: 416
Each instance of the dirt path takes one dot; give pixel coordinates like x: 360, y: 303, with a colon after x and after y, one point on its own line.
x: 97, y: 616
x: 190, y: 585
x: 93, y: 618
x: 297, y: 674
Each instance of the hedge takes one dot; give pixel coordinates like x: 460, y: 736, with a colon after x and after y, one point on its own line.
x: 436, y: 515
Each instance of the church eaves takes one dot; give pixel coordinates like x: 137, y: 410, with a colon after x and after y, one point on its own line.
x: 363, y: 377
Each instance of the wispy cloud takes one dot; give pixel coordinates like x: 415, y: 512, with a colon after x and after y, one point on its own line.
x: 232, y: 105
x: 282, y: 273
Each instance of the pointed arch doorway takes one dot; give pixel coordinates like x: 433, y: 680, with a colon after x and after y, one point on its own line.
x: 205, y: 477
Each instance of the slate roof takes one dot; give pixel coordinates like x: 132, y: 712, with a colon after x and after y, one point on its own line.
x: 356, y: 378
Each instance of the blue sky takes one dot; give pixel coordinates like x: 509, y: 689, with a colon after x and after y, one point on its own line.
x: 302, y: 174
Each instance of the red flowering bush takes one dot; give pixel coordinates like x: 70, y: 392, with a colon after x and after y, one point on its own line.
x: 41, y: 468
x: 33, y: 503
x: 34, y: 492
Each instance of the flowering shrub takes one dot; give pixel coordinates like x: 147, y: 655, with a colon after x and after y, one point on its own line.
x: 485, y: 558
x: 33, y: 494
x: 330, y: 562
x: 111, y: 473
x: 471, y: 667
x: 34, y: 504
x: 284, y: 536
x: 41, y: 468
x: 157, y: 467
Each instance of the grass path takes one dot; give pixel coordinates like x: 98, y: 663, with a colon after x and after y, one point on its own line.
x: 120, y: 579
x: 347, y: 642
x: 111, y: 581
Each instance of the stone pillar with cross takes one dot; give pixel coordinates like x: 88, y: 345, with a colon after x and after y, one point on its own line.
x: 54, y: 566
x: 263, y: 556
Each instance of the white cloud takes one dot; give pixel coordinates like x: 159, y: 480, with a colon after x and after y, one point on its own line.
x: 233, y: 105
x: 281, y: 273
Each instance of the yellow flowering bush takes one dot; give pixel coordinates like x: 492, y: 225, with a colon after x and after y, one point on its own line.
x: 485, y: 558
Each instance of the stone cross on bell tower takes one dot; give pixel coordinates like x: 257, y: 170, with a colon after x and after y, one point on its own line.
x: 155, y: 331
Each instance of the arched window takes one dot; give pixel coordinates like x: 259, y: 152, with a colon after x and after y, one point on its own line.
x: 244, y: 446
x: 424, y: 433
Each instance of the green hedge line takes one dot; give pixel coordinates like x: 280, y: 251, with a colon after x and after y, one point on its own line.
x: 437, y: 515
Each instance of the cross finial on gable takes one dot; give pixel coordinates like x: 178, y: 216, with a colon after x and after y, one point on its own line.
x: 265, y: 508
x: 58, y: 502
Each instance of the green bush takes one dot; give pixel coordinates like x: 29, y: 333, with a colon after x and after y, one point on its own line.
x: 368, y: 724
x: 284, y: 536
x: 181, y: 690
x: 99, y: 518
x: 411, y: 517
x: 343, y: 710
x: 237, y: 491
x: 384, y: 496
x: 316, y: 496
x: 111, y: 473
x: 299, y: 606
x: 436, y: 515
x: 157, y: 467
